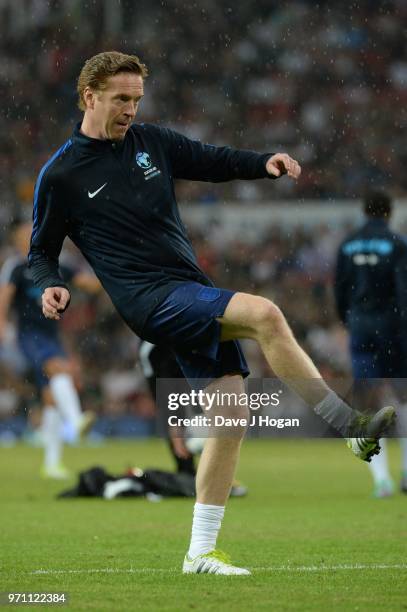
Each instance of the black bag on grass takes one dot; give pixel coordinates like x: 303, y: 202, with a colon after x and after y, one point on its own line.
x: 96, y: 482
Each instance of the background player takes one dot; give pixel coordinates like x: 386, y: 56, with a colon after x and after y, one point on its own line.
x: 371, y: 299
x: 40, y: 342
x: 159, y: 362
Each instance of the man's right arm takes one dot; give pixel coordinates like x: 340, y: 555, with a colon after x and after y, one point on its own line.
x: 50, y: 227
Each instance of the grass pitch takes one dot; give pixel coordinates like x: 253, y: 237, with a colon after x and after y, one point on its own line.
x: 309, y: 530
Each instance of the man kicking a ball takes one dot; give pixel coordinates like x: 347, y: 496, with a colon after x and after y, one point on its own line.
x: 110, y: 188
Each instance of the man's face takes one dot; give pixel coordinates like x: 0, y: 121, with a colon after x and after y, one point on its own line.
x: 114, y: 108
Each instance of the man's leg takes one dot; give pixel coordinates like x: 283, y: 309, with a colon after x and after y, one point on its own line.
x: 403, y: 445
x: 220, y: 454
x: 65, y: 395
x: 369, y: 371
x: 248, y: 316
x: 159, y: 362
x: 213, y: 483
x: 379, y: 469
x: 52, y: 438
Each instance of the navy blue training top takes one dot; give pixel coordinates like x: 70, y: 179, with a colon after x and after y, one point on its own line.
x: 116, y: 201
x: 371, y: 274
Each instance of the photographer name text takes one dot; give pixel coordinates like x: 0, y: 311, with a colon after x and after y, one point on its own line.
x: 256, y: 420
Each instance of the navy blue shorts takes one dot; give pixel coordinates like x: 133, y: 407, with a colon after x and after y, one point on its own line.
x: 375, y: 347
x: 186, y: 322
x: 38, y: 348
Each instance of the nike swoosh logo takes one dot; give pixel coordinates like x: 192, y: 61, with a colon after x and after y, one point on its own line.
x: 92, y: 195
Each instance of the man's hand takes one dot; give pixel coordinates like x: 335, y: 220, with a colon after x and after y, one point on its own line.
x: 54, y: 302
x: 180, y: 449
x: 178, y: 443
x: 281, y: 163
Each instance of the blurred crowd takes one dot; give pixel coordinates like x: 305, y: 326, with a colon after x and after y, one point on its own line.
x: 325, y: 84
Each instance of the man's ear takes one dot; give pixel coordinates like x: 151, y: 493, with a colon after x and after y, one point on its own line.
x: 89, y: 97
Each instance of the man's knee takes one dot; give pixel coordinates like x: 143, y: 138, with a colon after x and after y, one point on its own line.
x: 229, y: 416
x: 231, y: 421
x: 56, y: 365
x: 267, y: 319
x: 234, y: 411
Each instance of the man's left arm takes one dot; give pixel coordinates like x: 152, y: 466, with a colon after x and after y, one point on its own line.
x: 50, y: 227
x: 194, y: 160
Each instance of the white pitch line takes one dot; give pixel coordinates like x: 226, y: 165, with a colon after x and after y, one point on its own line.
x: 107, y: 570
x: 329, y: 568
x: 282, y: 568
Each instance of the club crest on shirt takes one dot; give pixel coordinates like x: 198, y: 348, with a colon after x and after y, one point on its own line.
x: 143, y: 161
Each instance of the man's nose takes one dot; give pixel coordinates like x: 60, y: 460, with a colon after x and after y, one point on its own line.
x: 130, y: 109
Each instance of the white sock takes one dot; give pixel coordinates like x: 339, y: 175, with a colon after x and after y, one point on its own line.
x: 403, y: 445
x: 66, y: 399
x: 51, y: 434
x: 205, y: 528
x: 401, y: 425
x: 379, y: 466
